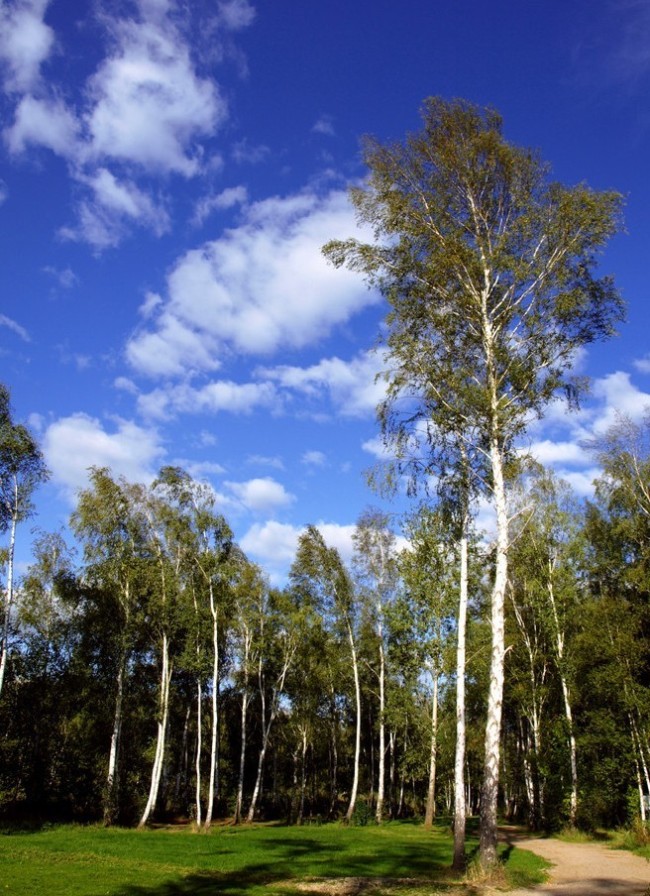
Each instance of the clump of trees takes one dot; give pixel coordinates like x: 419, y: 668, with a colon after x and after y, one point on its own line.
x: 155, y: 673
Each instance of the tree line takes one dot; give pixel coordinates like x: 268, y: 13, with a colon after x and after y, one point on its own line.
x: 157, y: 673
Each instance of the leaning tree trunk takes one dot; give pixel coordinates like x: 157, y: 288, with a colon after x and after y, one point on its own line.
x: 165, y: 680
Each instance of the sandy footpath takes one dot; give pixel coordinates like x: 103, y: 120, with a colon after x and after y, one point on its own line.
x: 586, y: 869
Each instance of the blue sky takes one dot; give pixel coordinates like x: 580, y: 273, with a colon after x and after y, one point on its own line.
x: 168, y: 173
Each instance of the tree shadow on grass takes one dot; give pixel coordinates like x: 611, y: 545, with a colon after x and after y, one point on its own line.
x: 292, y: 862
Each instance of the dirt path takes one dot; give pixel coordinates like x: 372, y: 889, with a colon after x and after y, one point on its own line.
x: 586, y: 869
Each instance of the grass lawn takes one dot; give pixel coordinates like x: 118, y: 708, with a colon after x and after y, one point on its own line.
x: 396, y: 858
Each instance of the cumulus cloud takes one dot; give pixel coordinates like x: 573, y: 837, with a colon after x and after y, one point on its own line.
x: 563, y: 452
x: 273, y: 544
x: 73, y: 444
x: 43, y: 122
x: 25, y: 42
x: 643, y: 364
x: 263, y: 495
x: 148, y: 103
x: 351, y: 386
x: 263, y: 286
x: 220, y: 395
x: 147, y: 109
x: 619, y: 396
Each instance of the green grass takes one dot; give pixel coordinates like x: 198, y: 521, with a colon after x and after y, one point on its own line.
x: 395, y: 858
x: 635, y: 839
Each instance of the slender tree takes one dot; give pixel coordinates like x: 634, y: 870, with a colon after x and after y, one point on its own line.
x: 21, y: 470
x: 375, y: 564
x: 488, y: 267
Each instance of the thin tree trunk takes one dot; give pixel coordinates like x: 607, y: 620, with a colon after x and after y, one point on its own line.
x: 460, y: 808
x: 334, y: 755
x: 212, y: 786
x: 242, y: 758
x: 199, y: 749
x: 433, y: 754
x: 559, y: 640
x: 278, y: 689
x: 303, y: 780
x: 357, y: 741
x: 9, y: 590
x: 112, y: 778
x: 381, y: 783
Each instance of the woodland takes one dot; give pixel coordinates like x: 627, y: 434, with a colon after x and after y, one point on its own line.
x: 149, y: 672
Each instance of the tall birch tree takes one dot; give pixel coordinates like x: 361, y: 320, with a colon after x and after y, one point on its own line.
x: 489, y: 270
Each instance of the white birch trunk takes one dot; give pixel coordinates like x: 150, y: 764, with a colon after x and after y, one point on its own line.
x: 490, y: 790
x: 212, y: 786
x: 381, y: 783
x: 165, y: 679
x: 110, y: 803
x: 460, y: 808
x: 357, y: 740
x: 559, y: 645
x: 199, y: 749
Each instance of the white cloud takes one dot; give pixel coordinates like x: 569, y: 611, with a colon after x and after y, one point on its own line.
x: 43, y: 122
x: 352, y: 386
x: 553, y: 453
x: 643, y: 364
x: 14, y: 327
x: 376, y: 447
x: 221, y: 395
x: 263, y: 461
x: 274, y: 544
x: 245, y: 154
x: 340, y: 537
x: 103, y: 218
x: 201, y: 469
x: 263, y: 286
x: 324, y: 126
x: 314, y: 459
x: 620, y: 397
x: 66, y: 277
x: 175, y: 348
x: 226, y: 199
x: 73, y: 444
x: 149, y: 105
x: 261, y: 495
x: 235, y: 14
x: 25, y: 42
